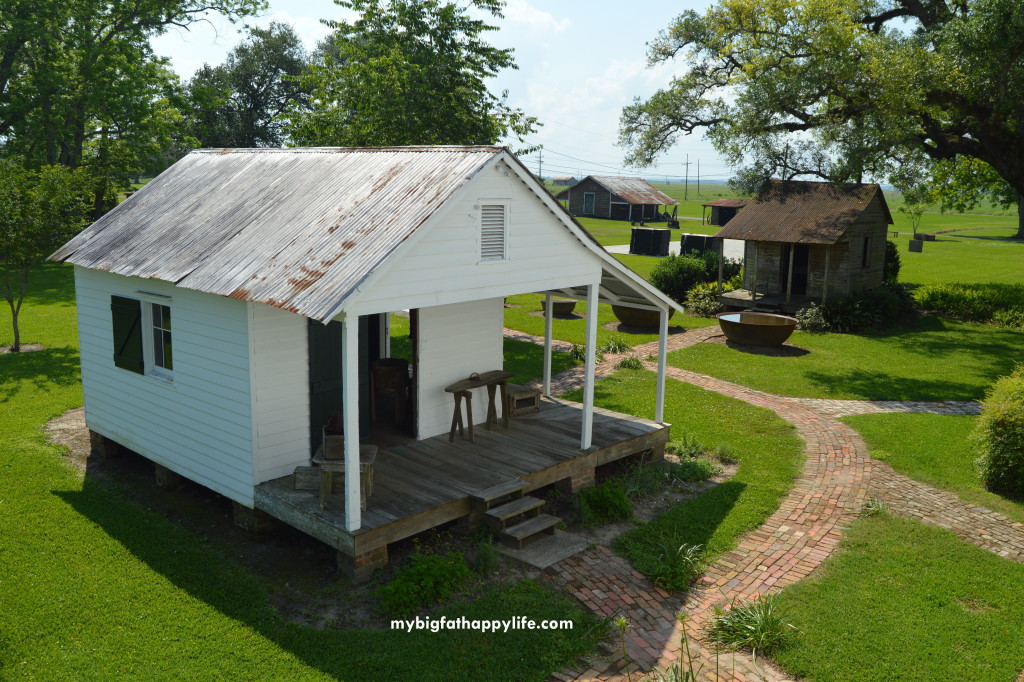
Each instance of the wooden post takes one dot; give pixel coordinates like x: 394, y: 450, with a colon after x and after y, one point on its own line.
x: 350, y: 412
x: 753, y: 278
x: 828, y: 258
x: 789, y: 278
x: 547, y: 344
x: 659, y: 408
x: 721, y: 263
x: 587, y: 435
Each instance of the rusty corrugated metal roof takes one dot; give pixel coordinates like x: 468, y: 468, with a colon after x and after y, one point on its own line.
x: 636, y: 191
x: 800, y: 212
x: 297, y: 229
x: 727, y: 203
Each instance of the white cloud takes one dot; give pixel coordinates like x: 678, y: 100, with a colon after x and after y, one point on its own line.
x: 522, y: 12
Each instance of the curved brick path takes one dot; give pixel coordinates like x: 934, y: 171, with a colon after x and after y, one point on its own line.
x: 837, y: 478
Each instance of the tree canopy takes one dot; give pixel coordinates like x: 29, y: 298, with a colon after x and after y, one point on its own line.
x: 407, y: 72
x: 914, y: 92
x: 238, y: 103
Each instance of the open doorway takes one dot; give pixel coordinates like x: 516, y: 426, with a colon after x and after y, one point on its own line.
x: 800, y: 255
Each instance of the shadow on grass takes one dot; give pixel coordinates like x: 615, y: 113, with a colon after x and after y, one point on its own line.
x: 209, y: 575
x: 50, y: 284
x: 879, y: 385
x: 783, y: 351
x: 42, y: 368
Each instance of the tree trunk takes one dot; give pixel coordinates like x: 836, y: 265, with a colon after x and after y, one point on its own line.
x: 1020, y: 216
x: 16, y: 348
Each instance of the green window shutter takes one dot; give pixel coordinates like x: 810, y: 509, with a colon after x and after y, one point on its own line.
x: 126, y: 316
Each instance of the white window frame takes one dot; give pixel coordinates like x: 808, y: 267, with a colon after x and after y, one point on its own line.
x: 506, y: 204
x: 149, y: 366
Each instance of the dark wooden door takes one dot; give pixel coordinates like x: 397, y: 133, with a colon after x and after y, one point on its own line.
x: 800, y: 253
x: 325, y: 374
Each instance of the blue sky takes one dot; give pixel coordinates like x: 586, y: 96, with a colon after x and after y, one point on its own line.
x: 579, y: 63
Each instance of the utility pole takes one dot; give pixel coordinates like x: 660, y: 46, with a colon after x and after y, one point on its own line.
x: 698, y: 176
x: 686, y: 187
x: 540, y: 165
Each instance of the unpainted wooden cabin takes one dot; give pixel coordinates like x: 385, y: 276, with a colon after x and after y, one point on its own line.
x: 809, y: 241
x: 633, y: 199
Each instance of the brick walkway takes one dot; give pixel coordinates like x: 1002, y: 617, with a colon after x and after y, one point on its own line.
x: 837, y: 478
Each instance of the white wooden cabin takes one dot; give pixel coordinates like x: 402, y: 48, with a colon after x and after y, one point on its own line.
x: 201, y: 298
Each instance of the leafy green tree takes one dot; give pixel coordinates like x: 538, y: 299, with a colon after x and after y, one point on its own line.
x: 848, y: 89
x: 39, y: 211
x: 80, y: 85
x: 239, y: 103
x: 408, y: 72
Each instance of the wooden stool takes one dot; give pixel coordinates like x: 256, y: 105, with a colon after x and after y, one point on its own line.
x: 522, y: 399
x: 457, y: 416
x: 331, y: 461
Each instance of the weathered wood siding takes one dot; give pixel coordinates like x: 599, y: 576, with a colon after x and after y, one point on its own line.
x: 442, y: 265
x: 280, y: 390
x: 454, y: 341
x: 200, y: 423
x: 602, y: 199
x: 871, y: 224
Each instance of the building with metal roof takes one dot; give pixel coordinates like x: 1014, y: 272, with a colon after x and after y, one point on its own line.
x: 808, y: 241
x: 722, y: 210
x: 617, y: 198
x: 239, y: 304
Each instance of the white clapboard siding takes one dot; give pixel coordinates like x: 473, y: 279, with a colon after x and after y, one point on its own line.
x: 454, y: 341
x: 280, y: 380
x: 199, y: 424
x: 444, y: 264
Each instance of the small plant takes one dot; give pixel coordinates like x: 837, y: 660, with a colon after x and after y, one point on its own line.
x: 579, y: 353
x: 999, y: 435
x: 425, y: 579
x: 487, y: 558
x: 702, y: 301
x: 642, y: 480
x: 622, y: 624
x: 812, y: 319
x: 693, y: 469
x: 605, y: 503
x: 679, y: 563
x: 630, y: 362
x: 614, y: 345
x: 686, y: 446
x: 723, y: 453
x: 757, y: 625
x: 683, y: 670
x: 872, y: 507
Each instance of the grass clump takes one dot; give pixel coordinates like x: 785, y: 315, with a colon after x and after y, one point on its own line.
x: 1000, y: 436
x: 424, y: 580
x: 757, y: 625
x: 614, y: 344
x: 679, y: 561
x: 630, y: 362
x: 604, y: 503
x: 487, y: 558
x: 694, y: 469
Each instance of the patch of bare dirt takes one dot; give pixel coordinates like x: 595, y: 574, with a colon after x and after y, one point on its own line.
x: 25, y: 348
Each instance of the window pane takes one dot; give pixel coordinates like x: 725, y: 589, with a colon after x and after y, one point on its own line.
x: 167, y: 350
x: 158, y: 347
x: 166, y: 310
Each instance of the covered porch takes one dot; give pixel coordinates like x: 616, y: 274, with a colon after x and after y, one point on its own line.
x: 421, y: 484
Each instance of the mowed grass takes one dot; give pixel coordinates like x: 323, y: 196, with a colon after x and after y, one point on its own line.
x: 934, y: 359
x: 934, y: 449
x: 956, y: 258
x: 768, y: 450
x: 93, y: 586
x: 905, y: 601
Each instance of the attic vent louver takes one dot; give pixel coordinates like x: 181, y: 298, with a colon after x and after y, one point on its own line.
x: 492, y: 232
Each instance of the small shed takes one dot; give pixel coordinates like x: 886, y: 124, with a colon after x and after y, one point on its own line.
x: 563, y: 181
x: 808, y: 241
x: 721, y: 211
x: 632, y: 199
x: 235, y: 307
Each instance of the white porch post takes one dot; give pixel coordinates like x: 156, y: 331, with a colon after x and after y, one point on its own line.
x: 659, y: 409
x: 587, y: 435
x: 547, y: 345
x: 350, y: 411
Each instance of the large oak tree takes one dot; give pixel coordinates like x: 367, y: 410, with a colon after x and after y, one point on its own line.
x: 914, y: 91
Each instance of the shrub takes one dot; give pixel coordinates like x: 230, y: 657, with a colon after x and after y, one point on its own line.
x: 579, y: 353
x: 812, y: 319
x: 676, y: 275
x: 757, y: 625
x: 999, y: 435
x: 1001, y: 304
x: 702, y: 301
x: 679, y: 563
x: 642, y: 480
x: 696, y: 469
x: 425, y: 579
x: 603, y: 504
x: 730, y: 267
x: 879, y: 307
x: 487, y: 558
x: 685, y: 447
x: 891, y: 264
x: 614, y: 345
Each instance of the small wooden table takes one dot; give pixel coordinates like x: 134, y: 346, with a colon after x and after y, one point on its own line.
x: 461, y: 389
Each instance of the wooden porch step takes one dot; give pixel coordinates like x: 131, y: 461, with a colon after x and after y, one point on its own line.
x: 509, y: 510
x: 511, y: 489
x: 518, y: 534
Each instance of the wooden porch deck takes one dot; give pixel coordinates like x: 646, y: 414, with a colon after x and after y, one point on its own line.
x: 742, y: 298
x: 420, y: 484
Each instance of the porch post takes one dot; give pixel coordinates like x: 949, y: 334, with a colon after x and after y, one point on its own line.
x: 659, y: 409
x: 721, y: 263
x: 753, y: 277
x: 789, y: 278
x: 586, y: 437
x: 350, y: 412
x: 547, y: 345
x: 828, y: 259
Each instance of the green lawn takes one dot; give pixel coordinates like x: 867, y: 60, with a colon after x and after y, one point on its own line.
x: 904, y: 601
x: 987, y: 233
x: 956, y: 258
x: 936, y: 359
x: 609, y: 232
x: 769, y: 452
x: 94, y: 586
x: 934, y: 449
